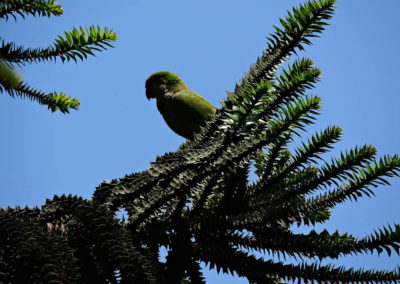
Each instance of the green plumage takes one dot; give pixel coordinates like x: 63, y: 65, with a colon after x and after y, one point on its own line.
x: 182, y: 109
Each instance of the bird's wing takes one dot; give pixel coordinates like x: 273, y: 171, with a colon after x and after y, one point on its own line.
x: 193, y: 106
x: 185, y: 112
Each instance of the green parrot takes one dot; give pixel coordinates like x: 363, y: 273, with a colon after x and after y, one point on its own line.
x: 182, y: 109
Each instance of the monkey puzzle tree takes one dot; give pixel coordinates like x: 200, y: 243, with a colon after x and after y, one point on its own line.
x: 75, y: 45
x: 199, y: 204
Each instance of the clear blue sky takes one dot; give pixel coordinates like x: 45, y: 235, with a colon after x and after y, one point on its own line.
x: 210, y: 44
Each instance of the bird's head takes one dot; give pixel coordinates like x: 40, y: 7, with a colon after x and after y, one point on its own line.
x: 159, y: 83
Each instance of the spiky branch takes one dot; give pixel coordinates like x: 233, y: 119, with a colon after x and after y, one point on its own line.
x: 75, y: 45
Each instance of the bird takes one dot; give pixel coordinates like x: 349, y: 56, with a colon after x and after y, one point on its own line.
x: 184, y: 111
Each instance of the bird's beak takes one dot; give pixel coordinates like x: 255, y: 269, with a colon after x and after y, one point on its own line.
x: 147, y: 95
